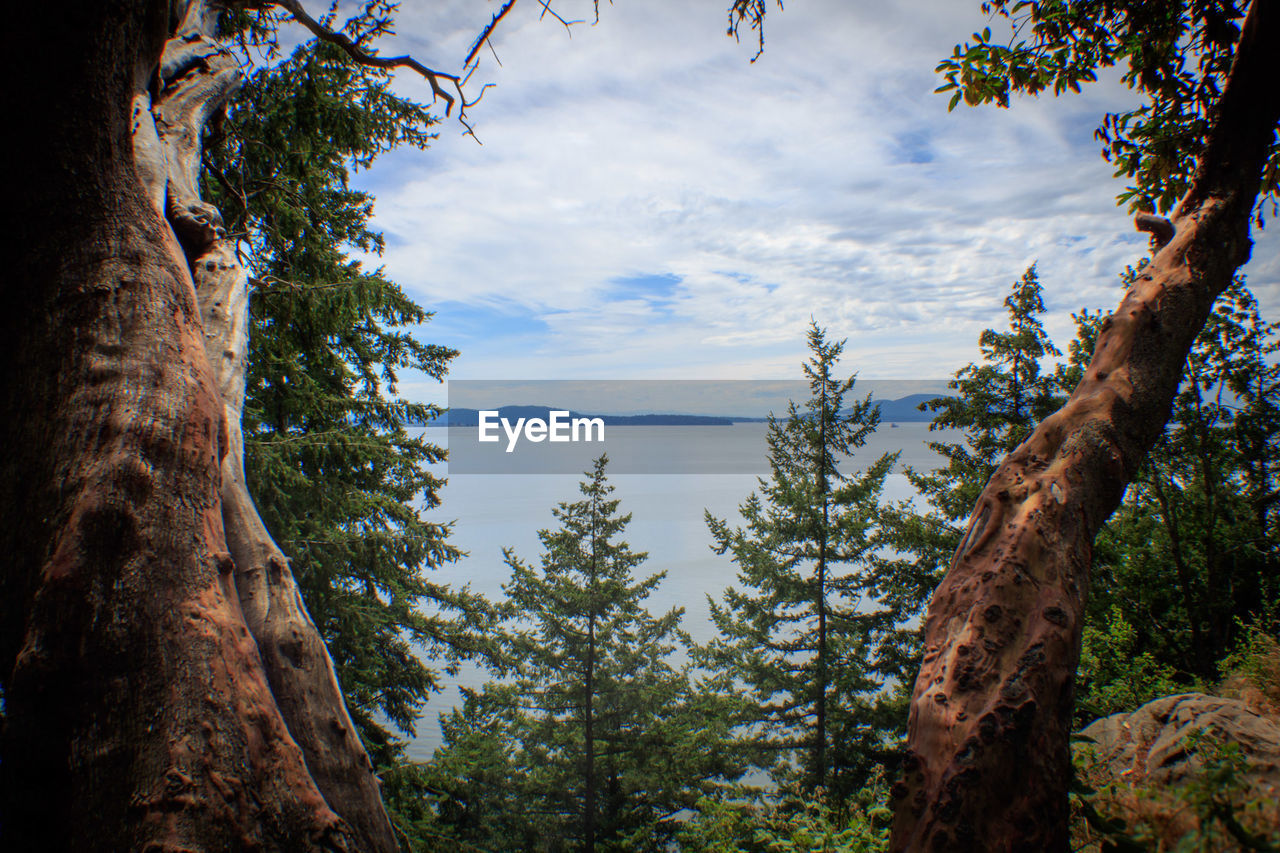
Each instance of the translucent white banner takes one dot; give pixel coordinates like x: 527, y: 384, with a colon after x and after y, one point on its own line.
x: 653, y: 426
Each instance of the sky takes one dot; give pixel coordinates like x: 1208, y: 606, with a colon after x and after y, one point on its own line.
x: 649, y: 203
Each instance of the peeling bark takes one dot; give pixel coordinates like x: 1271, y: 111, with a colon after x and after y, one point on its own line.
x: 987, y: 766
x: 164, y: 686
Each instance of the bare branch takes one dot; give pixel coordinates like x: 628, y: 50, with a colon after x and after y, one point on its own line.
x: 484, y: 38
x: 363, y: 57
x: 486, y: 32
x: 235, y: 192
x: 568, y: 25
x: 444, y: 86
x: 1160, y: 229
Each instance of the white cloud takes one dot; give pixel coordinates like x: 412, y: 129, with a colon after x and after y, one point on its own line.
x: 825, y: 180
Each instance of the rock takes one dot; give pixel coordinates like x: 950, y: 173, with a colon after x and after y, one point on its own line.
x: 1150, y: 745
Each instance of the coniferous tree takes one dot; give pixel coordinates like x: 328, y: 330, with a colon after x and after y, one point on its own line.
x: 1189, y: 556
x: 597, y: 739
x: 810, y: 633
x: 996, y: 403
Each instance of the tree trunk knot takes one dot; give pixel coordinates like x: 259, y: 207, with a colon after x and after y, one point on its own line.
x: 1160, y: 229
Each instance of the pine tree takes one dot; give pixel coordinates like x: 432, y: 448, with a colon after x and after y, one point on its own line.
x: 338, y: 480
x: 805, y: 634
x: 597, y: 738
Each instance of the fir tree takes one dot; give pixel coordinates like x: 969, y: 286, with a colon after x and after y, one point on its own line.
x: 996, y: 403
x: 596, y: 736
x: 805, y: 634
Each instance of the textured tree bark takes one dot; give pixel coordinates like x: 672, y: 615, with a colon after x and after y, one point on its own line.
x: 141, y: 713
x: 987, y: 766
x: 197, y: 77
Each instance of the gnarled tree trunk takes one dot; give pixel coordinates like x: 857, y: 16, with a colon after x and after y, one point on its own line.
x: 988, y: 766
x: 164, y: 686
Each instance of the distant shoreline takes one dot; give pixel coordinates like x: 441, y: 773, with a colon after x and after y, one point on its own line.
x: 904, y: 410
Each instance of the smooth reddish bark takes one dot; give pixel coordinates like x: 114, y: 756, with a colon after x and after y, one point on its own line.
x: 988, y: 765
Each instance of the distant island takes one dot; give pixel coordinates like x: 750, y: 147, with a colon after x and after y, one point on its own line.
x: 906, y: 409
x: 471, y: 417
x: 902, y: 410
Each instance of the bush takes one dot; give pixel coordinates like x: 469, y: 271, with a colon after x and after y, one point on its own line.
x: 1113, y: 677
x: 791, y: 822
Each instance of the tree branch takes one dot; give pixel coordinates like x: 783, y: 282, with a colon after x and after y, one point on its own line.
x: 753, y: 12
x: 486, y: 32
x: 363, y: 57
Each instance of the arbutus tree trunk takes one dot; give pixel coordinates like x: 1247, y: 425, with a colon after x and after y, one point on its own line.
x: 988, y: 766
x: 164, y: 687
x: 199, y: 76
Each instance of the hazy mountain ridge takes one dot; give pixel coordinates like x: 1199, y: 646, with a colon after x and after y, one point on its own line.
x: 903, y: 409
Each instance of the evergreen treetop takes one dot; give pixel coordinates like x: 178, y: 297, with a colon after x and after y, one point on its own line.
x: 803, y: 633
x: 596, y: 734
x: 996, y: 403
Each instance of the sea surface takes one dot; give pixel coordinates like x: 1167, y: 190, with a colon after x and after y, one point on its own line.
x: 493, y: 511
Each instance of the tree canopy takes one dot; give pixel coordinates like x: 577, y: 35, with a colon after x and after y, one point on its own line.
x: 1177, y: 56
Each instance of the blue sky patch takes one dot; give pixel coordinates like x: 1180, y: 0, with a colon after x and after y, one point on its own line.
x: 459, y: 324
x: 655, y: 287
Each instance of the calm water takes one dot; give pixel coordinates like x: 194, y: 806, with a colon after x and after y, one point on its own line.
x: 494, y: 511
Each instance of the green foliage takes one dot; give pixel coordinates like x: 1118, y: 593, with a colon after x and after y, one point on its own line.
x: 478, y: 789
x: 791, y: 821
x: 1193, y: 550
x: 338, y: 480
x: 1176, y: 55
x: 1252, y: 669
x: 596, y: 740
x: 1116, y: 674
x: 812, y: 635
x: 1215, y: 794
